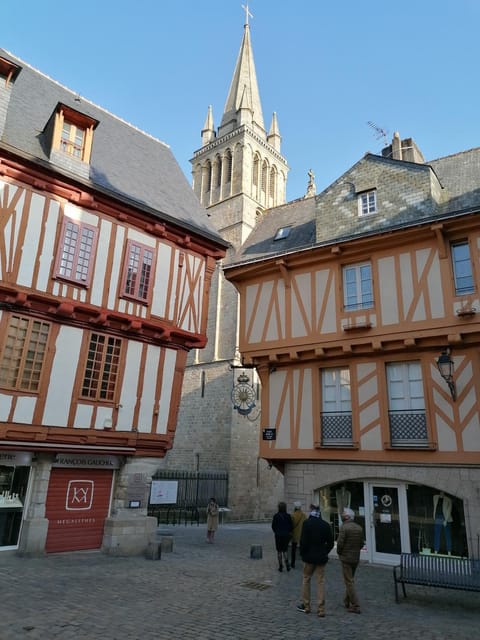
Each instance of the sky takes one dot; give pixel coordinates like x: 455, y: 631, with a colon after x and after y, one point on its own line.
x: 328, y: 68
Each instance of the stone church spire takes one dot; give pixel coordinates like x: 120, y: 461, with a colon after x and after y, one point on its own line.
x: 239, y: 171
x: 243, y: 91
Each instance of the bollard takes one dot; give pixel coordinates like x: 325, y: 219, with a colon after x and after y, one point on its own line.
x: 153, y: 551
x: 167, y: 543
x: 256, y: 551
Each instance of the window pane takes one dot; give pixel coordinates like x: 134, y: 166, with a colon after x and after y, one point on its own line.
x: 23, y: 354
x: 358, y: 288
x: 462, y: 268
x: 102, y: 368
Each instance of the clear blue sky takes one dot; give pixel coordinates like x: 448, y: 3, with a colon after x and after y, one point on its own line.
x: 326, y: 67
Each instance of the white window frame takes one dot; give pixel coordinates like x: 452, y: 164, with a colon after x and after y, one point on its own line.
x: 336, y: 390
x: 76, y: 252
x: 405, y: 386
x: 367, y: 202
x: 138, y: 257
x: 462, y: 268
x: 363, y: 296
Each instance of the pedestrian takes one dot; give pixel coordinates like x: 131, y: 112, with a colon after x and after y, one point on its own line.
x: 316, y: 542
x: 212, y: 519
x: 298, y: 518
x: 349, y: 543
x: 282, y: 527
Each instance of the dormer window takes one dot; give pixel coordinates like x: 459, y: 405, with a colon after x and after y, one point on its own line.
x: 367, y: 202
x: 73, y: 133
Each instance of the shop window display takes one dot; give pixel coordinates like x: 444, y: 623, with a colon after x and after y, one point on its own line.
x: 13, y: 487
x: 436, y: 522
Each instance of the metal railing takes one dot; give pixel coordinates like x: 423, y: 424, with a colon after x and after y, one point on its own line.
x: 193, y: 493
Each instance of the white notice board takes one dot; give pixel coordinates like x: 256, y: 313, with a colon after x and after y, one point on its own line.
x: 164, y: 492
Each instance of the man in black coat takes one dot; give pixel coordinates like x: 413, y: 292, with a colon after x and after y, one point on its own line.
x: 316, y: 542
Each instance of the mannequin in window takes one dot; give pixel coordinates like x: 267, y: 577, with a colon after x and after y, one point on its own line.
x: 343, y: 497
x: 442, y: 515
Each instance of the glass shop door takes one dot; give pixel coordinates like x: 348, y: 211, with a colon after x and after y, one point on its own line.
x: 388, y: 518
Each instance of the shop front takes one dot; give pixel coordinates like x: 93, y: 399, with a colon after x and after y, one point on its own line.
x: 398, y: 517
x: 14, y: 478
x: 78, y: 501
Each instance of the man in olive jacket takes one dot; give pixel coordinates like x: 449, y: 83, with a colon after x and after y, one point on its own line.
x: 316, y: 542
x: 349, y: 543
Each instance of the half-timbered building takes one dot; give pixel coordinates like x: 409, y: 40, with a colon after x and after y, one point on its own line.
x: 360, y: 312
x: 106, y: 258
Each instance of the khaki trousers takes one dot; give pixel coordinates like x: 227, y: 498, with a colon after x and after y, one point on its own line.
x: 319, y: 571
x: 351, y: 598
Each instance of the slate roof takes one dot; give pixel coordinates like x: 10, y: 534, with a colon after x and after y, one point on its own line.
x: 459, y: 174
x: 126, y: 162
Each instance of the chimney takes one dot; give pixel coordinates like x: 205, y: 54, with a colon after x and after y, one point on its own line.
x: 406, y: 150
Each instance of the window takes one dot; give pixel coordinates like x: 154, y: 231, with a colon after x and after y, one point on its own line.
x: 102, y: 367
x: 228, y: 166
x: 357, y: 286
x: 273, y: 182
x: 367, y: 203
x: 138, y: 271
x: 73, y: 133
x: 336, y: 419
x: 77, y: 248
x: 408, y: 426
x: 282, y: 233
x: 23, y: 353
x: 72, y: 140
x: 462, y: 268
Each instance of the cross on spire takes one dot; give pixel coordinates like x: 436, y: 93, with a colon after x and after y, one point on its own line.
x: 247, y: 12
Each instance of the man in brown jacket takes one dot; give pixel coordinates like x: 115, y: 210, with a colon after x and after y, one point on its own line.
x: 350, y: 541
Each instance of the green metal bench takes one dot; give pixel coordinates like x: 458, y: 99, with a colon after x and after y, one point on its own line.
x: 436, y: 571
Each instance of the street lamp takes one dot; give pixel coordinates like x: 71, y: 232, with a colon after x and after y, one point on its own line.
x: 446, y: 366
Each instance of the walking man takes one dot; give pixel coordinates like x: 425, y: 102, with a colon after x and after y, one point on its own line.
x: 349, y: 542
x: 316, y: 542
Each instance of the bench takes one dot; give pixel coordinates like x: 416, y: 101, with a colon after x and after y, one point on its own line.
x: 436, y: 571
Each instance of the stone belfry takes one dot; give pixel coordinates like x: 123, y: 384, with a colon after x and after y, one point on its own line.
x: 238, y: 172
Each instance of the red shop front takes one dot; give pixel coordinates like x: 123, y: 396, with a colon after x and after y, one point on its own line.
x: 78, y: 501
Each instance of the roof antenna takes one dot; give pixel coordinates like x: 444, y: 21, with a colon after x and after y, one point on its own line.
x: 380, y: 133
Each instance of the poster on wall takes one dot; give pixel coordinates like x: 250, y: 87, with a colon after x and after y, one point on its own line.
x: 164, y: 492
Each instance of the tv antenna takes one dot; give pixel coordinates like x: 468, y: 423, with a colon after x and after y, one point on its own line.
x: 380, y: 133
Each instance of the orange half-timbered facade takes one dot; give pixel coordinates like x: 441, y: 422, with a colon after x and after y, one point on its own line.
x: 106, y: 259
x: 350, y: 302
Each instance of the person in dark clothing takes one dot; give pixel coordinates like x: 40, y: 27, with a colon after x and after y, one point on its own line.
x: 316, y: 542
x: 282, y: 526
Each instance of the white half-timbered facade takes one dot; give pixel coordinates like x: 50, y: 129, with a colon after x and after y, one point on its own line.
x: 348, y: 302
x: 106, y: 259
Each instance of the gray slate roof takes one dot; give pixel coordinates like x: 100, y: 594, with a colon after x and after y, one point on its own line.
x: 459, y: 174
x: 125, y: 162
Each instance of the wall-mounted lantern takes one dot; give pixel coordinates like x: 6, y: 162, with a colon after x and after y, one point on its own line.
x: 446, y: 367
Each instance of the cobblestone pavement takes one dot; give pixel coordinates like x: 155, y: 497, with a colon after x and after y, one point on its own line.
x: 208, y: 592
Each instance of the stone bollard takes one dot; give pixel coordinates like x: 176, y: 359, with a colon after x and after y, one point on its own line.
x: 256, y: 552
x: 167, y: 543
x: 154, y: 551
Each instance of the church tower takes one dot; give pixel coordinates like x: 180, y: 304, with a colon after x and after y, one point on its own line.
x: 238, y: 173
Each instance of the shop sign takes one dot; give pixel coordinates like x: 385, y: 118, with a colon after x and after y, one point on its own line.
x: 269, y: 433
x: 15, y: 458
x: 86, y: 461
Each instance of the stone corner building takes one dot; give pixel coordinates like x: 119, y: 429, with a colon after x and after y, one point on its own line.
x: 106, y: 260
